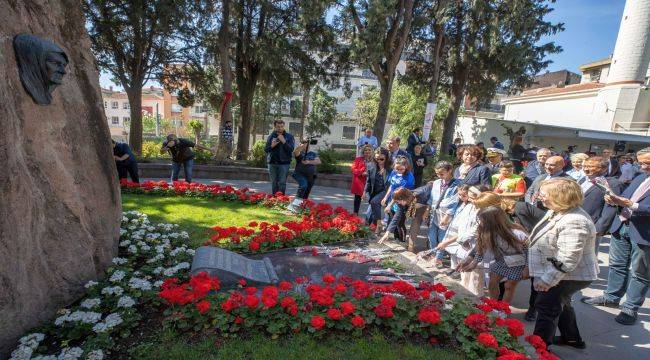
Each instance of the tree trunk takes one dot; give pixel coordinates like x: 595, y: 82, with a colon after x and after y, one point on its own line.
x: 305, y: 110
x: 245, y: 107
x: 224, y: 60
x: 433, y: 87
x: 449, y: 124
x: 386, y: 89
x: 135, y: 131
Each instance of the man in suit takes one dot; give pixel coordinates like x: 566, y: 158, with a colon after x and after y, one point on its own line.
x: 594, y: 188
x: 536, y: 167
x: 630, y: 244
x: 414, y: 139
x: 530, y: 212
x: 613, y: 167
x: 394, y: 150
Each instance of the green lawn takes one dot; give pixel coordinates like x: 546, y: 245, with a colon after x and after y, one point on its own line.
x: 198, y: 215
x: 169, y: 345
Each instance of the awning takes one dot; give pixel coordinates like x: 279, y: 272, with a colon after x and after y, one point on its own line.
x: 564, y: 132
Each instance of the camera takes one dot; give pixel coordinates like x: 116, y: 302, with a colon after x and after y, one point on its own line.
x: 311, y: 140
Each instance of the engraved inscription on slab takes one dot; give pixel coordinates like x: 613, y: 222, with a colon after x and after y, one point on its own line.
x: 230, y: 267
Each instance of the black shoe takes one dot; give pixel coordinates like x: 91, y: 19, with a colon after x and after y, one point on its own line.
x: 531, y: 315
x: 578, y: 344
x: 599, y: 301
x: 454, y: 274
x: 624, y: 318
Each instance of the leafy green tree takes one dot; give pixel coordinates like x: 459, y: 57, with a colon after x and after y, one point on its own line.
x: 376, y: 33
x: 365, y: 107
x: 323, y: 113
x: 134, y: 40
x: 196, y: 126
x: 149, y: 125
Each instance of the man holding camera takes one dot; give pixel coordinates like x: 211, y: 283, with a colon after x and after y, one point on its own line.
x: 182, y: 155
x: 279, y: 150
x: 305, y: 171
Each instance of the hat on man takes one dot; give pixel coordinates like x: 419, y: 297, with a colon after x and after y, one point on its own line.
x: 495, y: 152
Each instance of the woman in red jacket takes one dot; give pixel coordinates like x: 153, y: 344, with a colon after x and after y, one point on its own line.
x: 360, y: 168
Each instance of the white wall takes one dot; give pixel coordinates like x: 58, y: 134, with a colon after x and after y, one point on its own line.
x: 576, y: 110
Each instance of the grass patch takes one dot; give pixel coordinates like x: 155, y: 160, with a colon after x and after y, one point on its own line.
x: 375, y: 346
x: 197, y: 215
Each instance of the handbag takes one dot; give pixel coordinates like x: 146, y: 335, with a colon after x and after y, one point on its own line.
x: 515, y: 260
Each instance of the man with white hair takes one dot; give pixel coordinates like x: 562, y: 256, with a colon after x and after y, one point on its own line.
x: 536, y: 167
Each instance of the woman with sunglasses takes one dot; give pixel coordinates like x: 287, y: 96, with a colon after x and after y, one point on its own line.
x: 376, y: 186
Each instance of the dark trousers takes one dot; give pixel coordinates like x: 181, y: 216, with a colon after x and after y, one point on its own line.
x: 305, y: 183
x: 533, y: 296
x: 398, y: 223
x: 554, y: 310
x: 418, y: 179
x: 375, y: 206
x: 131, y: 169
x: 357, y: 203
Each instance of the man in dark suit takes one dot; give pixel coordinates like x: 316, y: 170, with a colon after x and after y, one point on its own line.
x: 630, y: 244
x: 613, y: 167
x: 394, y: 150
x: 531, y: 211
x: 594, y: 188
x: 536, y: 167
x: 414, y: 139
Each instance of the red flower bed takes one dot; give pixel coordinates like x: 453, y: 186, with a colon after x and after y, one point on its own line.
x: 347, y: 306
x: 318, y: 223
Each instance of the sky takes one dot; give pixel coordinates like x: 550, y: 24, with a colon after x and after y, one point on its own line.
x: 590, y: 33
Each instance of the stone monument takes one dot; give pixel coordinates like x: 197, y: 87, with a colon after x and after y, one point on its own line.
x: 60, y: 199
x: 230, y: 266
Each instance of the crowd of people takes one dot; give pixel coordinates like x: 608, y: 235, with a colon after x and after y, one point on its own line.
x: 501, y: 217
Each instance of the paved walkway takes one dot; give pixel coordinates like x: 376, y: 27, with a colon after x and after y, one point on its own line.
x: 605, y: 338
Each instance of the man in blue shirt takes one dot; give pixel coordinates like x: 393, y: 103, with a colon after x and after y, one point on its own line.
x: 367, y: 139
x: 279, y: 151
x: 496, y: 143
x: 125, y: 161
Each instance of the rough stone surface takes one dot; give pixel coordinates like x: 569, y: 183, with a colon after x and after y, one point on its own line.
x: 59, y: 198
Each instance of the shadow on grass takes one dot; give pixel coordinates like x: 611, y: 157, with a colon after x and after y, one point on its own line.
x: 198, y: 215
x: 375, y: 346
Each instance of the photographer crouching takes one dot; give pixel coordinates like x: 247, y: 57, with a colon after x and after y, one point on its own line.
x: 305, y: 171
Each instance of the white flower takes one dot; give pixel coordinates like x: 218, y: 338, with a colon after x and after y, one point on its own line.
x: 32, y: 340
x: 90, y: 303
x: 45, y: 357
x: 28, y: 344
x: 86, y: 317
x: 73, y: 353
x: 190, y: 252
x: 158, y: 283
x: 132, y: 227
x: 158, y: 270
x: 113, y: 290
x: 95, y: 355
x: 125, y: 243
x: 125, y: 302
x: 90, y: 284
x: 22, y: 352
x: 137, y: 283
x: 109, y: 322
x: 120, y: 261
x: 117, y: 276
x: 172, y: 270
x: 133, y: 249
x: 123, y: 232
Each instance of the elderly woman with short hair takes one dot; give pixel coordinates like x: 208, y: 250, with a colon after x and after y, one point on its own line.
x: 561, y: 260
x: 471, y: 172
x: 576, y: 171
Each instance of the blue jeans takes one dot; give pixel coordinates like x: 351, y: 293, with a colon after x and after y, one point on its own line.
x: 187, y: 165
x: 436, y: 235
x: 278, y: 176
x: 305, y: 183
x: 640, y: 279
x: 620, y: 256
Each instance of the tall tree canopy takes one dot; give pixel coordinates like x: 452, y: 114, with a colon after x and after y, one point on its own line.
x: 376, y: 33
x: 134, y: 40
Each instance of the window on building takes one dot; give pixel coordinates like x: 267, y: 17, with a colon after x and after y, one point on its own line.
x: 105, y: 104
x: 126, y: 119
x: 115, y: 120
x: 294, y: 128
x: 177, y: 108
x: 349, y: 132
x: 178, y: 123
x: 125, y: 105
x: 115, y: 105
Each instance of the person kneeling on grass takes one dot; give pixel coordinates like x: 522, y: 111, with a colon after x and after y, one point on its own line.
x: 401, y: 207
x: 304, y: 173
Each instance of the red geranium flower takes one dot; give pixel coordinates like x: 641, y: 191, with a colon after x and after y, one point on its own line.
x: 242, y: 282
x: 478, y: 322
x: 383, y: 311
x: 347, y: 308
x: 433, y: 340
x: 334, y: 314
x: 251, y: 301
x: 203, y: 306
x: 430, y: 316
x: 250, y: 290
x: 317, y: 322
x: 238, y: 320
x: 285, y: 285
x: 329, y: 278
x: 487, y: 340
x: 389, y: 301
x: 358, y: 321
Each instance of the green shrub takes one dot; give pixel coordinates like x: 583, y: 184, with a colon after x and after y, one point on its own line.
x: 202, y: 157
x: 328, y: 158
x: 257, y: 155
x: 151, y: 150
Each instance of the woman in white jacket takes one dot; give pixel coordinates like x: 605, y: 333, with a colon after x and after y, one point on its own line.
x: 561, y: 260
